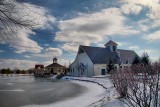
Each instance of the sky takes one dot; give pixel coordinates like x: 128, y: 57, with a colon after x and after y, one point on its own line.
x: 66, y: 24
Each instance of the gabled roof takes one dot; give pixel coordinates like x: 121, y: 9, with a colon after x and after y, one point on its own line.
x: 54, y: 65
x: 99, y: 55
x: 110, y: 43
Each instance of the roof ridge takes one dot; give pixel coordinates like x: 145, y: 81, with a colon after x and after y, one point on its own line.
x: 125, y: 50
x: 92, y: 46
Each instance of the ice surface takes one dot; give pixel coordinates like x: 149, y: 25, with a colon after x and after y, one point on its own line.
x: 93, y: 94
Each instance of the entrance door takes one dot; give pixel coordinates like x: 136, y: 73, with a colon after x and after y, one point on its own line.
x: 103, y: 71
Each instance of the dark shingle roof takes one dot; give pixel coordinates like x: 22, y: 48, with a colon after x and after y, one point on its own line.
x: 54, y: 65
x: 100, y: 55
x: 127, y: 55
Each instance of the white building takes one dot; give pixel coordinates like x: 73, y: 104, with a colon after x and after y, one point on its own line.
x: 91, y: 61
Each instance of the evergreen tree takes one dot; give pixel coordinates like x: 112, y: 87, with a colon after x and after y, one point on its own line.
x: 110, y: 66
x: 145, y: 58
x: 136, y: 60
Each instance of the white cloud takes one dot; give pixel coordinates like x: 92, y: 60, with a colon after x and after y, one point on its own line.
x: 131, y: 8
x: 100, y: 45
x: 22, y: 43
x: 72, y: 47
x: 27, y: 56
x: 134, y: 48
x: 34, y: 15
x: 122, y: 43
x: 18, y: 38
x: 153, y: 54
x: 154, y: 7
x: 56, y: 51
x: 49, y: 53
x: 153, y: 59
x: 155, y: 36
x: 16, y: 63
x: 92, y: 28
x: 143, y: 25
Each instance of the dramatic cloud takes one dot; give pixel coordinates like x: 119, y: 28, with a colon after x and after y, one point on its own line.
x: 22, y: 43
x: 18, y: 36
x: 15, y: 63
x: 93, y: 28
x: 154, y: 9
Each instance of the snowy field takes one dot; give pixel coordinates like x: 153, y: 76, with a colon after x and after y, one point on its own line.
x: 109, y: 98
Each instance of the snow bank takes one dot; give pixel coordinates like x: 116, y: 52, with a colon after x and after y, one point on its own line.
x: 109, y: 97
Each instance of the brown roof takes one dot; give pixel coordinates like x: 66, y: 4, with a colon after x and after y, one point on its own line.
x: 54, y: 65
x: 110, y: 43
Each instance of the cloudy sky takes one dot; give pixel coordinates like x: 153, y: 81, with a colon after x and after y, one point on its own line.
x: 66, y: 24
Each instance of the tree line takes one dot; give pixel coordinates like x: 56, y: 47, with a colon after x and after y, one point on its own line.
x: 15, y: 71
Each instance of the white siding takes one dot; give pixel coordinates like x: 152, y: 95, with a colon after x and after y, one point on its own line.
x: 82, y: 58
x: 98, y: 68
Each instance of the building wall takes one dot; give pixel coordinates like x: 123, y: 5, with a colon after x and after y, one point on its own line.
x: 98, y: 69
x: 82, y: 58
x: 57, y: 70
x: 39, y: 72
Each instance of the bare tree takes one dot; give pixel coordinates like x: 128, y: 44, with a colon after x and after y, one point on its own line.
x: 13, y: 16
x: 139, y: 89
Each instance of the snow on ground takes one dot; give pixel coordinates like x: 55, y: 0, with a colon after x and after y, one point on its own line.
x: 100, y: 93
x: 110, y: 97
x: 93, y: 94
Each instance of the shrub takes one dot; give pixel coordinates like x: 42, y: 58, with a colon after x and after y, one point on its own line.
x: 139, y: 89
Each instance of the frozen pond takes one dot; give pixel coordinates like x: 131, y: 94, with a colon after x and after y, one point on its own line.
x: 26, y: 90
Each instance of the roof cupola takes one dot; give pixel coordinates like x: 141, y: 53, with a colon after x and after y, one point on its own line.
x: 55, y: 60
x: 112, y: 46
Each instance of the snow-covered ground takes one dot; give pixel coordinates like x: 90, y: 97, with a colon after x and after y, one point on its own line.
x: 100, y: 93
x: 109, y: 97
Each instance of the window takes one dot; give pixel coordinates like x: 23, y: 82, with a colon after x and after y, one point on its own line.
x: 114, y: 48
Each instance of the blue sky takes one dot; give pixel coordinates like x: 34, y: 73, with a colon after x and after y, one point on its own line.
x: 66, y: 24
